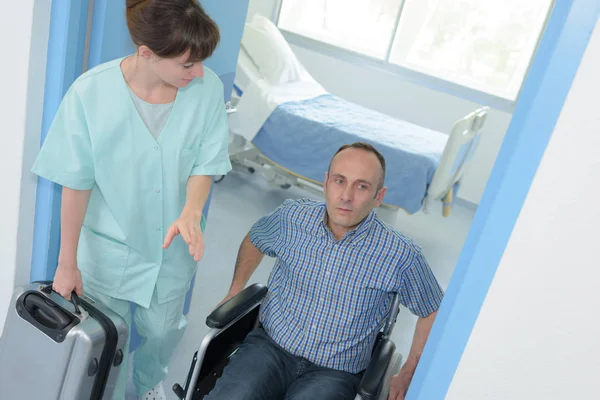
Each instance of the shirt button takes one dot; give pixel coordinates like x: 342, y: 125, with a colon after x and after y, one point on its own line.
x: 314, y: 327
x: 158, y: 229
x: 157, y: 190
x: 322, y: 300
x: 155, y: 147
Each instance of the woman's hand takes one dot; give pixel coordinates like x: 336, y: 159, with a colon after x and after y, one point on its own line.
x: 67, y: 279
x: 188, y: 226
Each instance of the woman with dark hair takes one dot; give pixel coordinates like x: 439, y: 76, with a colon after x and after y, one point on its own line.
x: 134, y: 144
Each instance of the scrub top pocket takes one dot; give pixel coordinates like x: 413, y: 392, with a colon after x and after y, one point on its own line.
x: 102, y: 258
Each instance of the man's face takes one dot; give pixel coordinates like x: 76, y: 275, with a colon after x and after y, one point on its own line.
x: 351, y: 188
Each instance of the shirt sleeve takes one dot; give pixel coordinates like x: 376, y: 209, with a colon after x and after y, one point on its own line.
x: 213, y: 157
x: 267, y: 230
x: 419, y: 290
x: 66, y: 156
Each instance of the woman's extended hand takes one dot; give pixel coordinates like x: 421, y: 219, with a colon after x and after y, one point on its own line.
x: 188, y: 226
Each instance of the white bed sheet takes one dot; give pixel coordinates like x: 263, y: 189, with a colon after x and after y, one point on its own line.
x: 259, y: 98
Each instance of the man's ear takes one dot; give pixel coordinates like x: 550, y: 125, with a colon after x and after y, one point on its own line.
x: 380, y: 195
x: 325, y: 181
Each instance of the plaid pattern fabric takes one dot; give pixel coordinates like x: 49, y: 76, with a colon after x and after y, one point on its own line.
x: 328, y: 299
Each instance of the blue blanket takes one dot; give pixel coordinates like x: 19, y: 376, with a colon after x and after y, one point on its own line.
x: 303, y: 136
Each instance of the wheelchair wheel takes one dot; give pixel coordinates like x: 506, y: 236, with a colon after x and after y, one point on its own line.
x: 393, y: 369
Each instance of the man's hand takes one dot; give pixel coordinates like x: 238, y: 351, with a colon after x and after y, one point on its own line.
x: 229, y: 296
x: 188, y: 226
x: 400, y: 382
x: 399, y: 386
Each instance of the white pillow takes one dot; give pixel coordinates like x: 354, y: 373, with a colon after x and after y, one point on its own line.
x: 268, y: 49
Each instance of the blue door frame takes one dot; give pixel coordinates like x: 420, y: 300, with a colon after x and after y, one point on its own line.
x: 546, y: 87
x: 548, y: 82
x: 64, y: 64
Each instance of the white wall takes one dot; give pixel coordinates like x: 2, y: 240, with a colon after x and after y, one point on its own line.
x: 23, y: 40
x: 537, y: 334
x: 402, y: 99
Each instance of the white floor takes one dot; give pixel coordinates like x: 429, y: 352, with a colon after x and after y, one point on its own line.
x: 238, y: 201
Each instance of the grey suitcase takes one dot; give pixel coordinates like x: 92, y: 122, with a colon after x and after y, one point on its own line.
x: 53, y: 349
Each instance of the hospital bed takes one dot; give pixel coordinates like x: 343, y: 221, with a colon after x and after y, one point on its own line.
x: 288, y: 131
x: 233, y: 320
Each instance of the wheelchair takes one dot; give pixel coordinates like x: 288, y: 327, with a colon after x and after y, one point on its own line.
x: 234, y: 319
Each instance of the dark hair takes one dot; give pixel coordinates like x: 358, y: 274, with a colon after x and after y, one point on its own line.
x: 171, y: 27
x: 368, y: 148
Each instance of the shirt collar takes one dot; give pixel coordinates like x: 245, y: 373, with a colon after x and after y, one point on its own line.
x: 353, y: 236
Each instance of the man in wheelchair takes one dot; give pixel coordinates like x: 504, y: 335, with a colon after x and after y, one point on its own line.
x: 338, y: 268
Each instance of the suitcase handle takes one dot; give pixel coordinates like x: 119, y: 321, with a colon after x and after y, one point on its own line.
x: 74, y: 297
x: 46, y: 313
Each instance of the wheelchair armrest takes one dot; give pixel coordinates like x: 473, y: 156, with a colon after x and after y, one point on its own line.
x: 237, y: 306
x: 372, y: 380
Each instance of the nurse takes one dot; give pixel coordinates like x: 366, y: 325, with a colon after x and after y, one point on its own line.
x: 134, y: 144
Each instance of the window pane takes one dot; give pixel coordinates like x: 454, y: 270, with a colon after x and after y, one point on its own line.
x: 485, y: 45
x: 364, y: 26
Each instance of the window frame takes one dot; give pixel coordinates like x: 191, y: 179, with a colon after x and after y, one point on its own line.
x: 416, y: 77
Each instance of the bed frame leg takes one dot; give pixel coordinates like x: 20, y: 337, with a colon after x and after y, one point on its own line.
x: 448, y: 202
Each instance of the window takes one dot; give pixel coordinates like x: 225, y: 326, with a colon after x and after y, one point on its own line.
x: 483, y: 45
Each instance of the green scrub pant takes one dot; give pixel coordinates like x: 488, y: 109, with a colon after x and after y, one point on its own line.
x: 161, y: 327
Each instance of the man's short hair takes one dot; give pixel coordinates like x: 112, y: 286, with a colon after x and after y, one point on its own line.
x: 368, y: 148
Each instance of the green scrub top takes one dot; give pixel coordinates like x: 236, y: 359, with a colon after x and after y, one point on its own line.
x: 98, y: 141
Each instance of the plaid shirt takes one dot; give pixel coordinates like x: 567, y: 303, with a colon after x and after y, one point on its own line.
x: 328, y: 299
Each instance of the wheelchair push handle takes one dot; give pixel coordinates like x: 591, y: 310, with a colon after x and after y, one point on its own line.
x: 389, y: 324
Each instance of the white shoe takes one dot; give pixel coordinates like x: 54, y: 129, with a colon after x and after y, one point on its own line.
x: 156, y: 393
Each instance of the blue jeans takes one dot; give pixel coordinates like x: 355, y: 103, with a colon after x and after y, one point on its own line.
x: 262, y: 370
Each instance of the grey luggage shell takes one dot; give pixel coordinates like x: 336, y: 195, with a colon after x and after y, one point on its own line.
x: 50, y: 351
